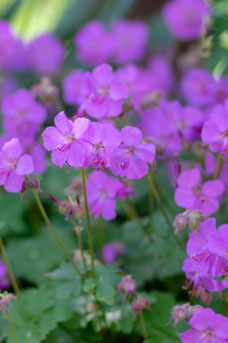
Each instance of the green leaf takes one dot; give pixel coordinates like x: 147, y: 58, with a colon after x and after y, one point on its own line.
x: 89, y: 285
x: 32, y: 258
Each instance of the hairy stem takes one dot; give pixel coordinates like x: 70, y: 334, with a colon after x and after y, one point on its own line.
x: 48, y: 222
x: 12, y: 326
x: 143, y: 325
x: 9, y: 268
x: 218, y: 168
x: 90, y: 238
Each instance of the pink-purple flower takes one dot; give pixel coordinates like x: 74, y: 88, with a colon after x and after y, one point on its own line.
x: 103, y: 93
x: 131, y: 158
x: 215, y: 130
x: 99, y: 141
x: 64, y: 140
x: 14, y: 166
x: 101, y: 191
x: 191, y: 195
x: 186, y: 19
x: 206, y: 327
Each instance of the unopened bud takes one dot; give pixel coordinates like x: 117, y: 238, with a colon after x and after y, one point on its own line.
x: 127, y: 285
x: 183, y: 312
x: 128, y: 106
x: 181, y: 222
x: 140, y: 304
x: 195, y: 217
x: 64, y: 207
x: 79, y: 212
x: 150, y: 100
x: 204, y: 296
x: 34, y: 183
x: 5, y: 299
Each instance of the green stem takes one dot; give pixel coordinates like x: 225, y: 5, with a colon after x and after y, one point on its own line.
x: 77, y: 229
x: 132, y: 214
x: 218, y: 168
x: 224, y: 304
x: 12, y: 326
x: 143, y: 325
x: 164, y: 196
x: 101, y: 234
x: 9, y: 268
x: 155, y: 194
x: 90, y: 238
x: 48, y: 222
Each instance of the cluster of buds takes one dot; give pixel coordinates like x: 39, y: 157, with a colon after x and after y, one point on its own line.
x: 187, y: 219
x: 183, y: 312
x: 127, y: 288
x: 5, y: 299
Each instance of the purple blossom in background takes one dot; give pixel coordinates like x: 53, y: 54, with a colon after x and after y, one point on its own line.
x: 72, y: 87
x: 186, y: 19
x: 206, y: 327
x: 99, y: 141
x: 198, y: 87
x: 130, y: 159
x: 93, y: 43
x: 111, y: 251
x: 14, y: 166
x: 101, y: 191
x: 20, y: 108
x: 190, y: 195
x: 215, y: 130
x: 6, y: 41
x: 4, y: 278
x: 64, y: 140
x: 45, y: 54
x: 129, y: 40
x: 103, y: 93
x: 38, y: 155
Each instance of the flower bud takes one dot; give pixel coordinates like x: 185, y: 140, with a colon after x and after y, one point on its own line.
x: 195, y: 217
x: 127, y: 285
x: 183, y: 312
x: 5, y: 299
x: 34, y: 183
x: 140, y: 304
x: 79, y: 212
x: 150, y: 100
x: 181, y: 222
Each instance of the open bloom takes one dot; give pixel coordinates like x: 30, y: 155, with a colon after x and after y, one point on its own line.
x: 64, y: 140
x: 14, y: 166
x: 200, y: 249
x: 215, y: 130
x: 219, y: 246
x: 130, y: 159
x: 103, y: 92
x: 206, y: 327
x: 72, y: 87
x: 190, y: 195
x: 99, y: 142
x: 186, y: 19
x: 102, y: 190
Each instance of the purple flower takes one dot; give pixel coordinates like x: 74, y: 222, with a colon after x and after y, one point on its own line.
x: 129, y: 39
x: 93, y: 44
x: 101, y: 191
x: 6, y: 41
x: 99, y: 141
x: 200, y: 279
x: 46, y: 54
x: 38, y: 155
x: 64, y: 140
x: 4, y: 278
x: 72, y: 87
x: 215, y: 130
x: 199, y: 249
x: 197, y: 87
x: 186, y: 19
x: 130, y: 159
x: 103, y: 93
x: 14, y: 166
x: 219, y: 242
x: 111, y: 251
x: 190, y: 195
x: 206, y: 327
x: 20, y: 108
